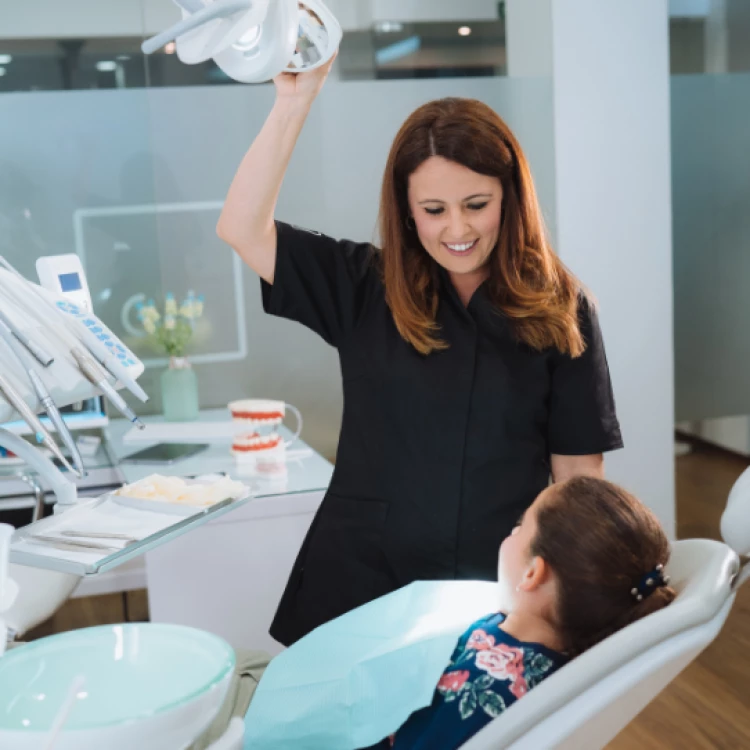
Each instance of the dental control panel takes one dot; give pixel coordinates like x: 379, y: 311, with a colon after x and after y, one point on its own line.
x: 64, y: 275
x: 97, y: 337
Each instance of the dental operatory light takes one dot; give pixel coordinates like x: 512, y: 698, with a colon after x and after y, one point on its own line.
x: 253, y: 41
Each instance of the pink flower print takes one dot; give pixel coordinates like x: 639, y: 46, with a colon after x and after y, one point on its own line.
x: 518, y: 687
x: 505, y: 663
x: 480, y: 641
x: 452, y: 682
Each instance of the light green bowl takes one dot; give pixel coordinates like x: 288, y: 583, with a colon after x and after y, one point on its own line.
x: 147, y: 685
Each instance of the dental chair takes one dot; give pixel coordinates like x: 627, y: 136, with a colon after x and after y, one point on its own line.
x: 590, y: 700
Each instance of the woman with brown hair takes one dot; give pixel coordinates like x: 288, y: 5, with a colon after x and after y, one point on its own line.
x: 472, y: 361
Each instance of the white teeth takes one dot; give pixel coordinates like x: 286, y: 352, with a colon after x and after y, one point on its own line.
x: 462, y: 248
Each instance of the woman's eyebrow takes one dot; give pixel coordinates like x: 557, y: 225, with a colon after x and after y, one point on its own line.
x: 470, y: 198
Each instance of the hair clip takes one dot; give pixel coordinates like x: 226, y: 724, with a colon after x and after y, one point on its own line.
x: 649, y: 583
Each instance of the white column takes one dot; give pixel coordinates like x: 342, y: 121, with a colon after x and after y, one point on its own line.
x: 609, y: 64
x: 613, y: 172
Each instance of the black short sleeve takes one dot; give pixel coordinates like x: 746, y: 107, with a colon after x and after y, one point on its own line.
x: 582, y: 406
x: 320, y: 282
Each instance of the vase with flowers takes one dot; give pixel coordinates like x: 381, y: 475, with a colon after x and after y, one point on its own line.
x: 171, y: 331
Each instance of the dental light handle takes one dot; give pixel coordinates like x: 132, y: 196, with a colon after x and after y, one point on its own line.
x: 219, y: 9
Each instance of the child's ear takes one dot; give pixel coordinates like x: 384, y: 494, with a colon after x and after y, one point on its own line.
x: 536, y: 575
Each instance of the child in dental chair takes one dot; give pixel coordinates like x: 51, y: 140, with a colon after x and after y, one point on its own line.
x: 585, y: 560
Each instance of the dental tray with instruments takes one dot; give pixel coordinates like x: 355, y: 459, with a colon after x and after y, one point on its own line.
x: 101, y: 534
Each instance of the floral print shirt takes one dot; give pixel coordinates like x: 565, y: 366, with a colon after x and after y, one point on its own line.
x: 488, y: 672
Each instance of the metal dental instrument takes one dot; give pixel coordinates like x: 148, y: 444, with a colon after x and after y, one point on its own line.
x: 42, y: 356
x: 44, y: 398
x: 14, y: 399
x: 88, y: 367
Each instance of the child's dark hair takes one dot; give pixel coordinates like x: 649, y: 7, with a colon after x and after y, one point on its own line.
x: 600, y: 541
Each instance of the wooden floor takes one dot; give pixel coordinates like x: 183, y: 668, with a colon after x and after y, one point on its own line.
x: 706, y: 708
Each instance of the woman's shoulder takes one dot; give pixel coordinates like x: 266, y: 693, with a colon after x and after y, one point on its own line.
x: 359, y: 259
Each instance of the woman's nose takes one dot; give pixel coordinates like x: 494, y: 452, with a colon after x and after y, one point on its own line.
x: 458, y: 227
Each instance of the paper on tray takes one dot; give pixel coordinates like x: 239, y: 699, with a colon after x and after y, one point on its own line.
x: 356, y: 680
x: 105, y: 517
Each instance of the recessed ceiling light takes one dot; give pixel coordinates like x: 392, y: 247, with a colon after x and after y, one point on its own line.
x: 465, y: 31
x: 5, y: 59
x: 106, y: 66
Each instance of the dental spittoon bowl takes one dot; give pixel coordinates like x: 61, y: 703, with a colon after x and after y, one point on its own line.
x: 147, y: 687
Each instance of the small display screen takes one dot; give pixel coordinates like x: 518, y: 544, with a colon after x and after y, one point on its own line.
x: 70, y: 282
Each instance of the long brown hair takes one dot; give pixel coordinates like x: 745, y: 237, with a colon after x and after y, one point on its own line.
x: 600, y: 541
x: 528, y: 282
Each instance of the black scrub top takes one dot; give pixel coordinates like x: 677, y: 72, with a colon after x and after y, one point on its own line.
x: 438, y: 455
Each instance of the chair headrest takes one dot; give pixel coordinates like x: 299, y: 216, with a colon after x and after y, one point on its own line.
x: 735, y: 522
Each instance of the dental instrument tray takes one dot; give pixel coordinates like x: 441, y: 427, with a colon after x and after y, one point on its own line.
x: 101, y: 534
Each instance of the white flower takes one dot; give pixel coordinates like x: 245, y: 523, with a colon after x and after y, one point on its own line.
x: 170, y: 305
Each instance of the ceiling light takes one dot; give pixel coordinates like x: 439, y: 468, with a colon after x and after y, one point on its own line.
x: 389, y: 27
x: 464, y: 31
x: 106, y: 66
x: 5, y: 59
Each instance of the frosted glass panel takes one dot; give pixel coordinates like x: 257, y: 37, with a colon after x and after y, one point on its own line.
x: 711, y: 182
x: 133, y: 180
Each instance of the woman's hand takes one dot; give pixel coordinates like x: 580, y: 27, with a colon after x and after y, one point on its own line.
x: 302, y: 87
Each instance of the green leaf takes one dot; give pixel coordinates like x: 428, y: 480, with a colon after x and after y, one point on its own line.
x: 484, y: 682
x: 448, y: 697
x: 492, y: 703
x: 468, y: 704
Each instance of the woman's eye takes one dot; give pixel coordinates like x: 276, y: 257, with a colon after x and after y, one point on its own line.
x: 434, y: 211
x: 477, y: 206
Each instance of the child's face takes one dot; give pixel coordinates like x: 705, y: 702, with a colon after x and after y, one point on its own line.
x: 515, y: 551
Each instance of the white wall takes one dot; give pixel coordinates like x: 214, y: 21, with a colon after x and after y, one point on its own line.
x: 614, y: 217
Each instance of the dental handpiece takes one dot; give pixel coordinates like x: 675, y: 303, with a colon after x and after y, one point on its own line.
x: 57, y: 420
x: 88, y: 367
x: 14, y: 399
x: 72, y: 328
x: 100, y: 352
x: 42, y: 356
x: 44, y: 398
